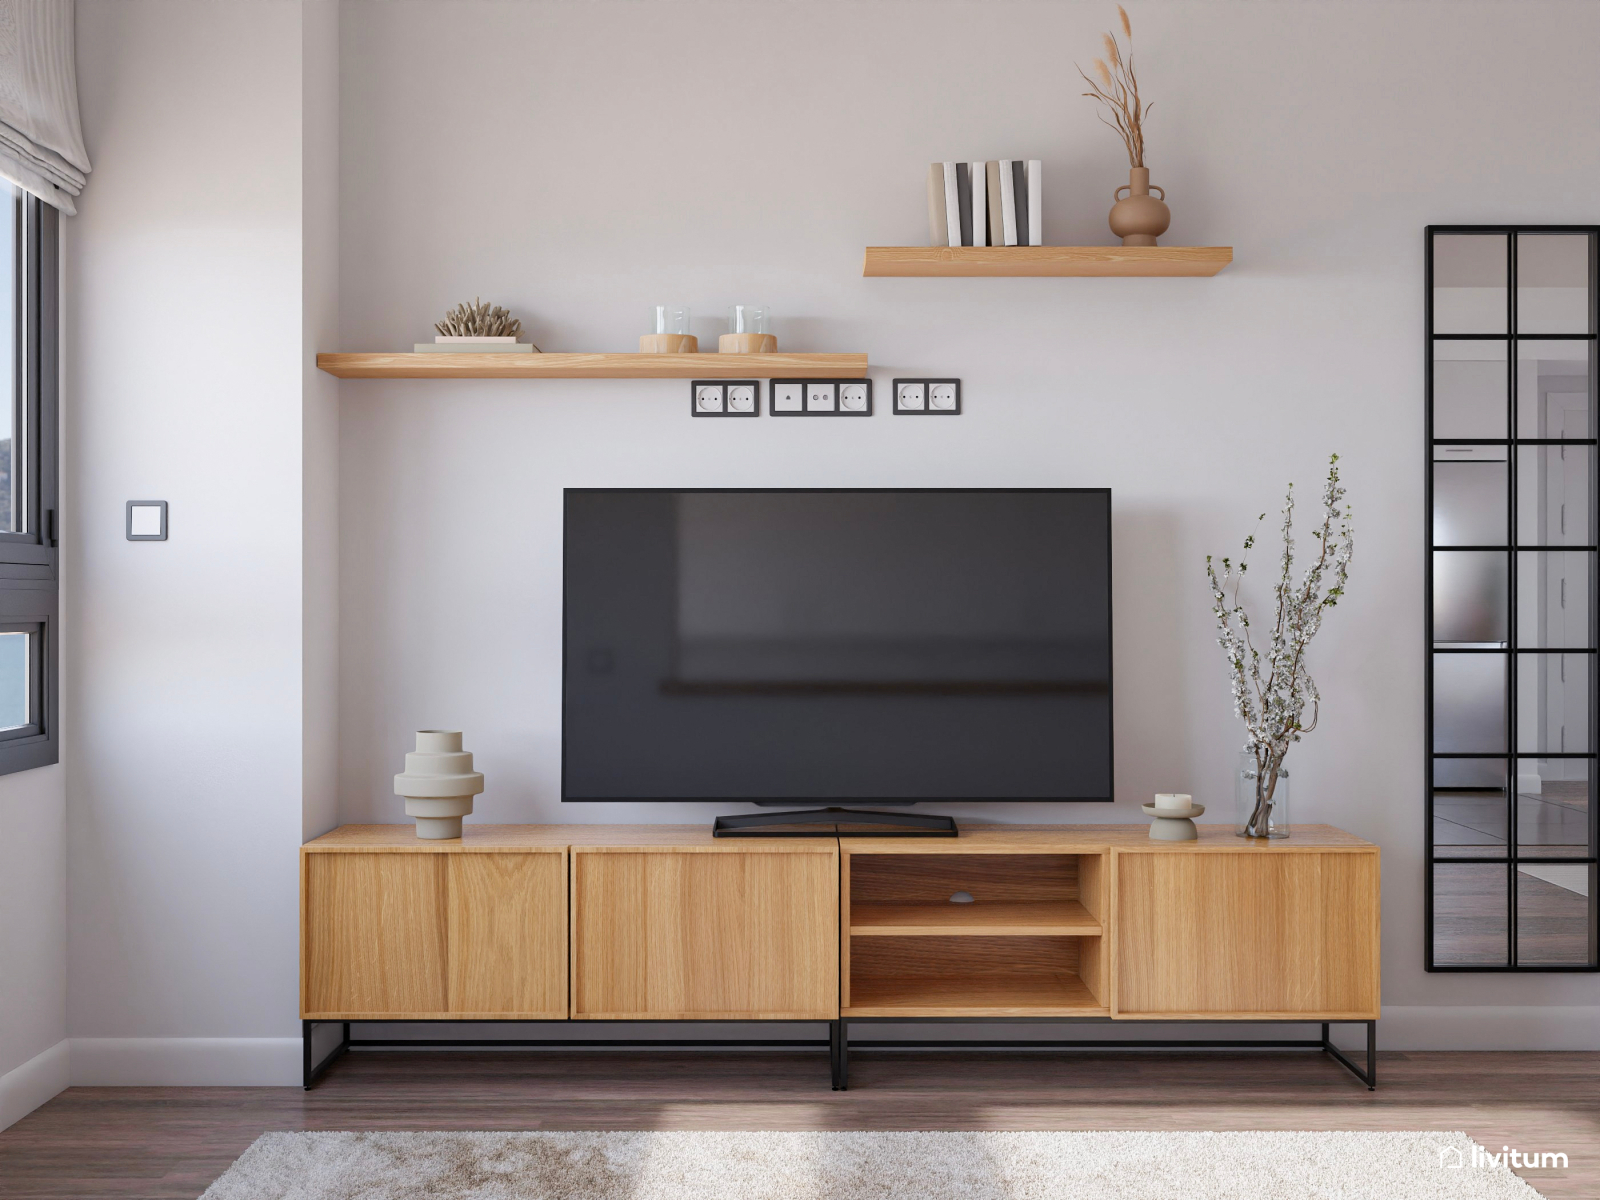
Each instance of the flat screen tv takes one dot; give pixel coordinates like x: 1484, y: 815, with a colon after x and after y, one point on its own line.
x: 840, y: 646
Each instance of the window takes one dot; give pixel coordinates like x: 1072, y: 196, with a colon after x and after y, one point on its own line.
x: 28, y: 570
x: 1512, y: 598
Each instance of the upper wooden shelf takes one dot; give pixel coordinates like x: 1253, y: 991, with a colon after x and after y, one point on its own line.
x: 594, y: 366
x: 1081, y: 261
x: 1053, y: 918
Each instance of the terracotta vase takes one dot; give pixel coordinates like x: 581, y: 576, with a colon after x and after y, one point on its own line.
x: 1139, y: 218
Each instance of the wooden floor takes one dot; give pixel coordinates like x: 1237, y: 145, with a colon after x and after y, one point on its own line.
x: 172, y: 1142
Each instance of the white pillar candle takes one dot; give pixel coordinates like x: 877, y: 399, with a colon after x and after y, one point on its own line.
x: 1173, y: 802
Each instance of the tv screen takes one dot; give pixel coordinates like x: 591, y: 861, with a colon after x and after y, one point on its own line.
x: 837, y: 645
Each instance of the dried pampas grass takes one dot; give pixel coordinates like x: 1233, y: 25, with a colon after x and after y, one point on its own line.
x: 1116, y: 88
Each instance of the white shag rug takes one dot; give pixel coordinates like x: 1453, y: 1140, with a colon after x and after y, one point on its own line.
x: 865, y: 1166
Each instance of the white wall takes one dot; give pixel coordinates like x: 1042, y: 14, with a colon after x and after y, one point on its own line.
x: 319, y: 253
x: 186, y: 316
x: 33, y: 940
x: 712, y: 152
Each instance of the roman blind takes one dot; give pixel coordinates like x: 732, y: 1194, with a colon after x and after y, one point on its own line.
x: 41, y: 143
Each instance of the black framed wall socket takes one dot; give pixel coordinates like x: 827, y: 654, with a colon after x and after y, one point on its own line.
x: 820, y: 398
x: 725, y: 397
x: 927, y: 397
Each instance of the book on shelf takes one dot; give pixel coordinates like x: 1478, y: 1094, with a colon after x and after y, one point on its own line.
x: 938, y: 226
x: 997, y: 228
x: 1008, y: 202
x: 978, y: 178
x: 1019, y: 197
x: 1035, y: 202
x: 964, y: 198
x: 952, y: 205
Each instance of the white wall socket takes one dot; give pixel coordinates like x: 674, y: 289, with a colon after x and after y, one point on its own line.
x: 728, y: 398
x: 853, y: 397
x: 820, y: 397
x: 788, y: 397
x: 926, y: 397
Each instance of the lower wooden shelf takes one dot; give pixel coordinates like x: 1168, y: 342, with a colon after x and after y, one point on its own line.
x: 1045, y: 918
x: 1035, y: 995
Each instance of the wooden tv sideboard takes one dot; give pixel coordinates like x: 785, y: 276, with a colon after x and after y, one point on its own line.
x: 667, y: 923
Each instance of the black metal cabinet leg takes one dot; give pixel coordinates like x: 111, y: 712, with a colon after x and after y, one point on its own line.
x: 1370, y: 1075
x: 1372, y: 1056
x: 311, y: 1071
x: 839, y: 1055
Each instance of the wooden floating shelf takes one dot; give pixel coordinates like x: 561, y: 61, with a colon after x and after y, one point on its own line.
x: 1071, y: 261
x: 594, y: 366
x: 976, y: 996
x: 1056, y: 918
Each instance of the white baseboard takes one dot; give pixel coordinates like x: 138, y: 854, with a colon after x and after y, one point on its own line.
x: 185, y: 1062
x: 41, y: 1078
x: 1489, y: 1027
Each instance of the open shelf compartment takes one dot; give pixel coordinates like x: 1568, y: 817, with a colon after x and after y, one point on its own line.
x: 976, y: 976
x: 1029, y: 944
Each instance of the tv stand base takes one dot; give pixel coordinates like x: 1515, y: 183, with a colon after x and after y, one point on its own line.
x: 841, y: 822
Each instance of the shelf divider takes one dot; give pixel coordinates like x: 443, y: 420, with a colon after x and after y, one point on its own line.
x: 1056, y: 995
x: 1052, y: 918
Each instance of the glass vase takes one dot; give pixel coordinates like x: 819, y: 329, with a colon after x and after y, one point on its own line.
x: 1262, y: 797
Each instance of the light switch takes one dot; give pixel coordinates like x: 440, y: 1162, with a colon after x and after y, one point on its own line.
x: 147, y: 520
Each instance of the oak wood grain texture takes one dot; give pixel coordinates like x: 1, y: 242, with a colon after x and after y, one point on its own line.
x: 1226, y: 935
x: 1046, y: 260
x: 976, y: 919
x: 594, y: 366
x: 741, y: 932
x: 126, y: 1143
x: 969, y: 976
x: 506, y: 935
x: 474, y: 839
x: 1096, y: 839
x: 373, y: 930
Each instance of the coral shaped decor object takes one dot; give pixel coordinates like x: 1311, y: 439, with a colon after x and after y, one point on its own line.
x: 479, y: 320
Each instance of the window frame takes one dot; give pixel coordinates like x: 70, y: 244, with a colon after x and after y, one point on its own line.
x: 1513, y: 441
x: 29, y: 555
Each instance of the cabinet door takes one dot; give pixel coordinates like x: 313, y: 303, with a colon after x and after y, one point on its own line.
x: 506, y: 940
x: 374, y: 935
x: 662, y: 934
x: 435, y: 935
x: 1274, y: 933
